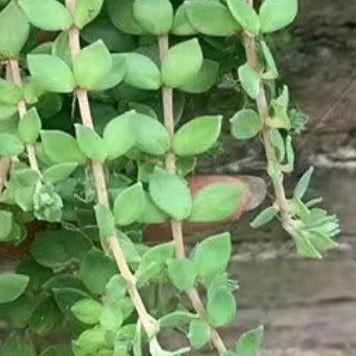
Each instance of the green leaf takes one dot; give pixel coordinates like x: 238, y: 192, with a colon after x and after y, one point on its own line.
x: 303, y: 183
x: 249, y: 343
x: 151, y: 213
x: 142, y: 72
x: 203, y: 80
x: 129, y: 205
x: 278, y: 144
x: 121, y: 15
x: 96, y: 270
x: 10, y: 145
x: 271, y: 71
x: 201, y: 12
x: 221, y: 308
x: 61, y: 48
x: 15, y: 345
x: 87, y: 311
x: 211, y: 256
x: 49, y: 15
x: 264, y: 217
x: 119, y: 135
x: 106, y: 223
x: 17, y: 313
x: 199, y: 333
x: 111, y: 317
x: 115, y: 75
x: 154, y: 17
x: 197, y: 136
x: 67, y: 297
x: 224, y: 197
x: 163, y: 185
x: 58, y: 172
x: 114, y: 39
x: 182, y: 61
x: 116, y: 288
x: 10, y: 93
x: 90, y: 143
x: 277, y: 14
x: 51, y: 73
x: 47, y: 203
x: 304, y: 245
x: 91, y: 342
x: 57, y: 249
x: 245, y: 15
x: 30, y: 126
x: 182, y: 273
x: 176, y: 319
x: 61, y: 147
x: 12, y: 286
x: 181, y: 25
x: 250, y: 80
x: 91, y: 65
x: 14, y: 29
x: 245, y: 124
x: 46, y: 317
x: 6, y: 219
x: 6, y: 111
x: 150, y: 135
x: 85, y: 11
x: 57, y: 350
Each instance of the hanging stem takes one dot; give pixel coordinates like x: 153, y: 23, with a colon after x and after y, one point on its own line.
x: 102, y: 194
x: 262, y: 107
x: 176, y: 226
x: 13, y: 70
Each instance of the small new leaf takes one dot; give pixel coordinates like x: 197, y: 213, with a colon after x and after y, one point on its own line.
x: 249, y: 343
x: 303, y: 183
x: 264, y: 217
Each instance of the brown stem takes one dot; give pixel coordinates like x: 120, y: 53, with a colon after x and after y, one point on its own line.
x: 102, y: 194
x: 176, y: 226
x: 14, y: 74
x: 262, y: 106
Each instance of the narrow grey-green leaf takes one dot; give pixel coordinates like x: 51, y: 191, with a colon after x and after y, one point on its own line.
x: 182, y: 61
x: 203, y: 80
x: 61, y: 147
x: 163, y: 185
x: 264, y: 217
x: 91, y: 65
x: 49, y: 15
x: 211, y: 18
x: 30, y: 126
x: 271, y: 71
x: 245, y: 15
x: 12, y: 286
x: 245, y: 124
x: 119, y: 135
x: 86, y: 11
x: 303, y: 183
x: 51, y: 73
x: 90, y: 143
x: 250, y: 80
x: 129, y: 205
x: 197, y: 135
x: 277, y: 14
x: 141, y: 72
x: 155, y: 17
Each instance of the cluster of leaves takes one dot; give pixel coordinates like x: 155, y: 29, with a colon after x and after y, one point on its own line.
x: 70, y: 278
